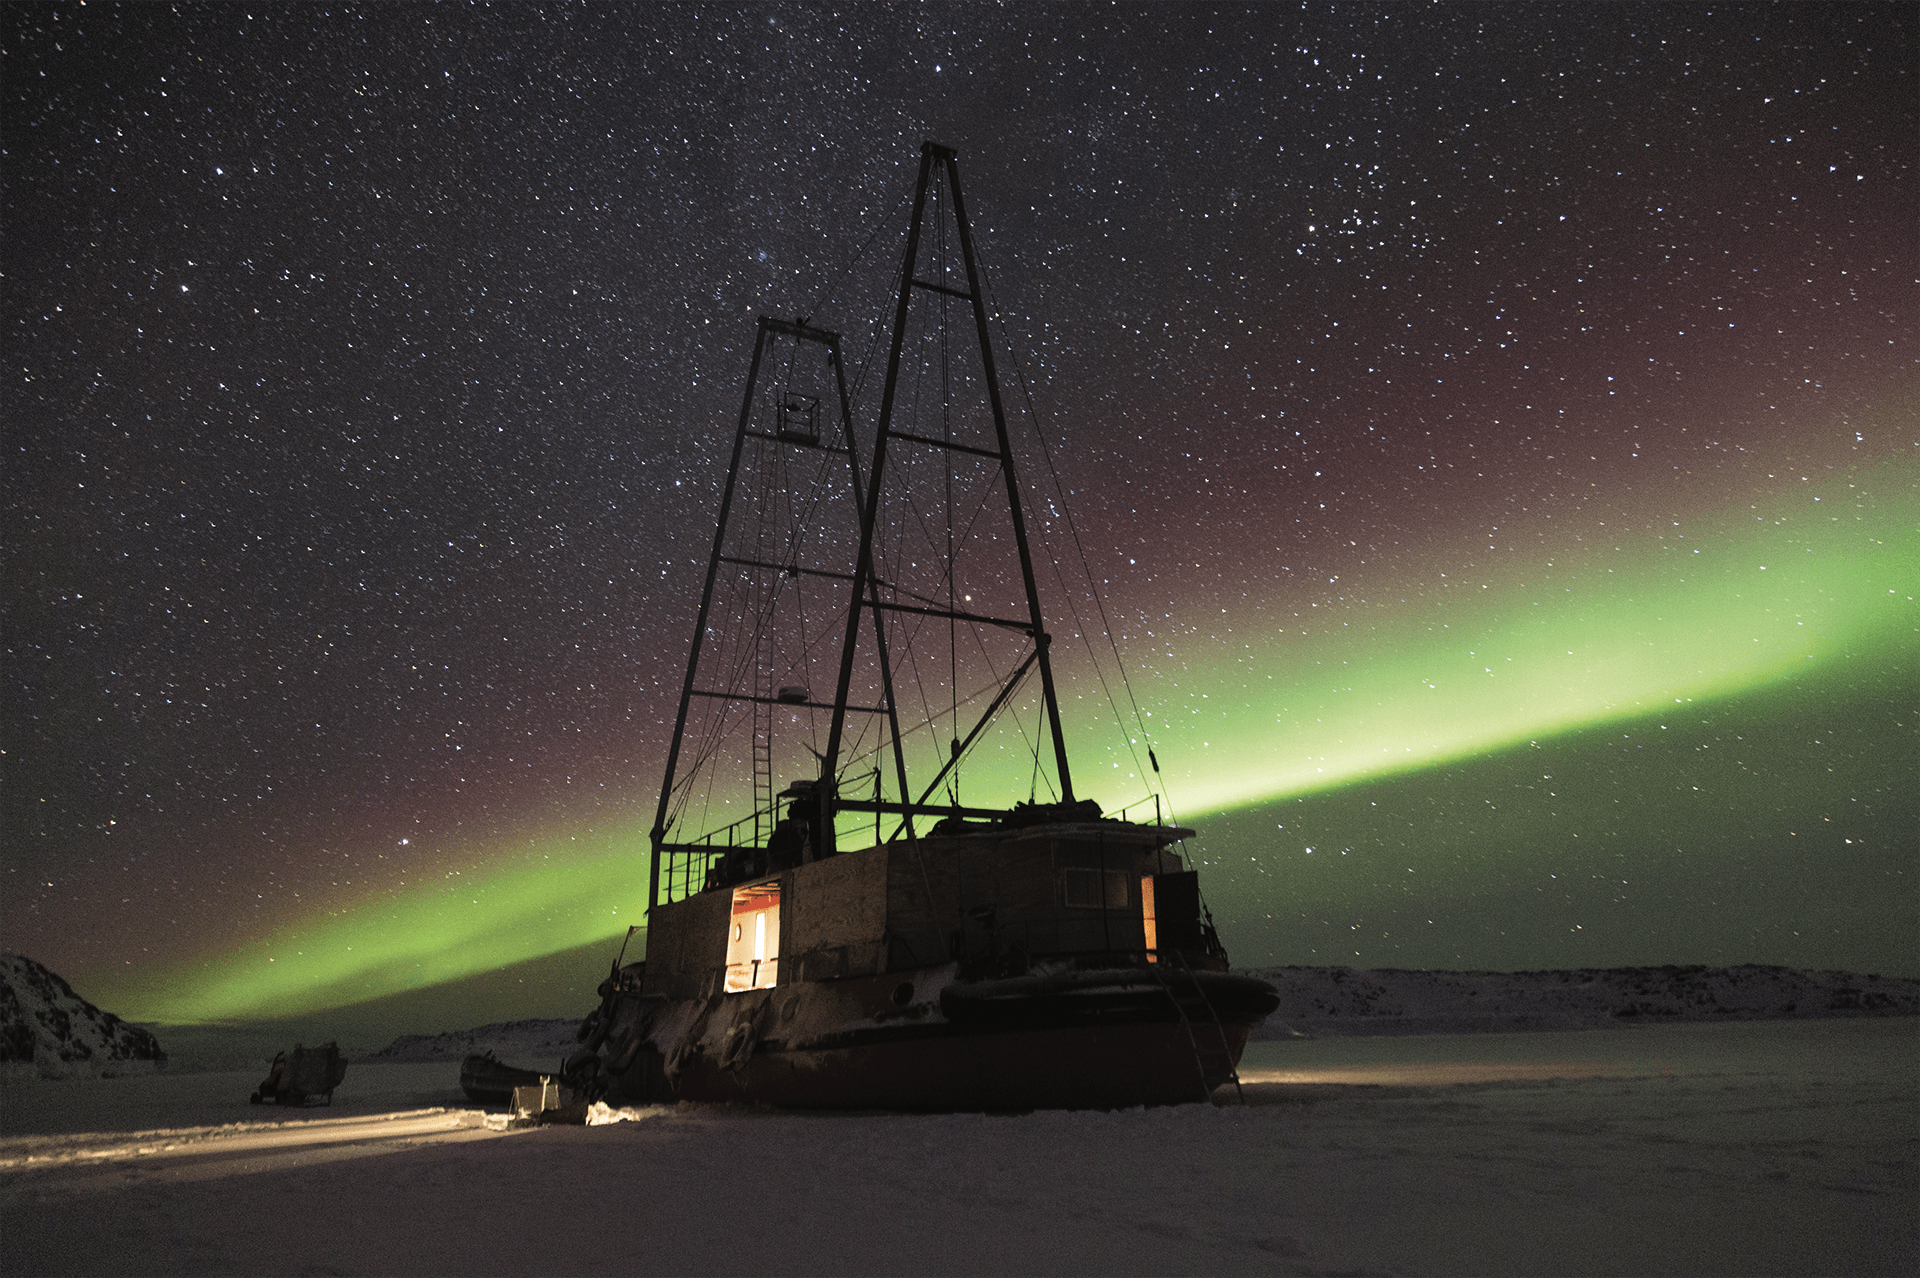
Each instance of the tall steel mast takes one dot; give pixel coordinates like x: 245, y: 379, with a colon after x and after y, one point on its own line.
x: 937, y: 160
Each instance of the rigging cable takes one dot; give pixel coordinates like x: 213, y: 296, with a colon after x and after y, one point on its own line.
x: 1093, y: 587
x: 833, y: 281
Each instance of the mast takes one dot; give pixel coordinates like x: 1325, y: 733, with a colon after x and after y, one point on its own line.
x: 1042, y: 640
x: 865, y: 593
x: 658, y: 835
x: 679, y: 866
x: 694, y: 854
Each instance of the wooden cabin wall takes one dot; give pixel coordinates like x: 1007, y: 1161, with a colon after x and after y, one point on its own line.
x: 921, y: 903
x: 833, y: 917
x: 686, y: 942
x: 1083, y: 929
x: 933, y: 892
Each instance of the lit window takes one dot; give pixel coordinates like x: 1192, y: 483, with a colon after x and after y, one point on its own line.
x: 1147, y: 917
x: 753, y: 938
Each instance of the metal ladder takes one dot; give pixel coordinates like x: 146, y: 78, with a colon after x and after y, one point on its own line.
x: 763, y: 749
x: 1186, y: 1023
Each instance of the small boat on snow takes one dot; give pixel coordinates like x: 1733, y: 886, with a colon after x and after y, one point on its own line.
x: 1005, y: 956
x: 487, y: 1081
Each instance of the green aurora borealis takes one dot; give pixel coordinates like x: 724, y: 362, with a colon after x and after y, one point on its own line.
x: 1734, y: 604
x: 1782, y: 636
x: 463, y: 924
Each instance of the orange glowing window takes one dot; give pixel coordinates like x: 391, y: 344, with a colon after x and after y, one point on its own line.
x: 753, y: 938
x: 1146, y: 917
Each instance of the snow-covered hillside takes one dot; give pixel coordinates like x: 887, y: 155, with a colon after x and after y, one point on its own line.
x: 1318, y: 1002
x: 534, y: 1044
x: 43, y: 1023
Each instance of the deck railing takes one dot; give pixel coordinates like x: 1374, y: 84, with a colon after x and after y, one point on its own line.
x: 685, y: 866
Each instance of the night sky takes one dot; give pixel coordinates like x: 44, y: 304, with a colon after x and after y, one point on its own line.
x: 1493, y: 429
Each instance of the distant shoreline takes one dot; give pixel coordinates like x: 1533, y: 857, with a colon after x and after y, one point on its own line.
x: 1317, y: 1002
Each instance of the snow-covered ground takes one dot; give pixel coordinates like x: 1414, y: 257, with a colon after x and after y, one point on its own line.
x: 1749, y: 1147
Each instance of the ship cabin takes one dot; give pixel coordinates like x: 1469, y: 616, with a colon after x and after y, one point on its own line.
x: 1086, y: 894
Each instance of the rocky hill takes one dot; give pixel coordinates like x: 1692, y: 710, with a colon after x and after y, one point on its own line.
x: 531, y: 1044
x: 45, y: 1024
x: 1327, y: 1001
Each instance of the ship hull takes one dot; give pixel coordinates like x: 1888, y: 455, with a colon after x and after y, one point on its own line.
x: 1085, y: 1040
x: 1066, y: 1067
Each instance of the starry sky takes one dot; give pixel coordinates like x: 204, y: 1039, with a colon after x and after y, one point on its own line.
x: 1492, y: 430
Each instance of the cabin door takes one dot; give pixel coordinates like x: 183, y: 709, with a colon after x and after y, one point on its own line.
x: 1170, y: 910
x: 753, y: 938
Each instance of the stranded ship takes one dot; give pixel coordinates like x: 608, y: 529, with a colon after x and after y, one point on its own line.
x: 869, y: 935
